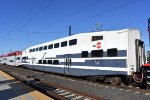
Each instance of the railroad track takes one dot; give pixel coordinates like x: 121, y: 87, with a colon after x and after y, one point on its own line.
x: 82, y: 89
x: 55, y: 91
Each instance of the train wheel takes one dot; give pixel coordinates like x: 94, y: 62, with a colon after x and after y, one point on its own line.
x: 115, y: 80
x: 138, y: 77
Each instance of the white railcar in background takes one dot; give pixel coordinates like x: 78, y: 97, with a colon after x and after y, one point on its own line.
x: 116, y: 54
x: 3, y: 59
x: 12, y: 58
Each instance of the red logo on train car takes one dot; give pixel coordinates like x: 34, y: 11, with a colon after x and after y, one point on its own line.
x: 98, y: 45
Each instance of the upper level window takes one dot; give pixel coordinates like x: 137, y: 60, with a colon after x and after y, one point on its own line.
x: 95, y: 38
x: 50, y: 46
x: 11, y: 61
x: 33, y: 50
x: 112, y: 52
x: 30, y: 50
x: 26, y: 57
x: 73, y: 42
x: 18, y: 58
x: 97, y: 53
x: 45, y: 47
x: 56, y: 45
x: 41, y: 48
x: 63, y: 44
x: 37, y: 49
x: 84, y: 54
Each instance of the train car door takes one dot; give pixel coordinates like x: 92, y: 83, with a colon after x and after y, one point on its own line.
x: 140, y: 54
x: 67, y: 63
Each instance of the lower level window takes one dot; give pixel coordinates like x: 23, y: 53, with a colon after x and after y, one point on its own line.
x: 56, y: 62
x: 44, y: 62
x: 112, y: 52
x: 49, y: 61
x: 40, y: 61
x: 84, y: 54
x: 10, y: 60
x: 97, y: 53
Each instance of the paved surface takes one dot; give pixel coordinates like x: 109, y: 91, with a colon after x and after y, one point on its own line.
x: 96, y: 89
x: 12, y: 89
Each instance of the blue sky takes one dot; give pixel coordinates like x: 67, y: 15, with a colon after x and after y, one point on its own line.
x: 24, y: 23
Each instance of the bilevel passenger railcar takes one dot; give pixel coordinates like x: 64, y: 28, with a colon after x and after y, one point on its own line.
x: 12, y: 58
x: 3, y: 59
x: 117, y: 55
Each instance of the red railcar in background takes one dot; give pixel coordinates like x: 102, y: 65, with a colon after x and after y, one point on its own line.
x: 12, y: 58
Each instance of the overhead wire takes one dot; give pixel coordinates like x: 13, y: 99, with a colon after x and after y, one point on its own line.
x: 77, y: 12
x: 84, y: 19
x: 37, y: 14
x: 31, y: 19
x: 4, y: 23
x: 23, y: 18
x: 99, y: 14
x: 107, y: 11
x: 103, y: 13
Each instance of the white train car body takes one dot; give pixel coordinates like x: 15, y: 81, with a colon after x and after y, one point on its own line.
x: 88, y: 54
x: 3, y: 59
x: 14, y: 58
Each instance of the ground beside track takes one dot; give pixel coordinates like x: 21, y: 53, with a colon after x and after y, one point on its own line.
x: 104, y: 91
x: 12, y: 89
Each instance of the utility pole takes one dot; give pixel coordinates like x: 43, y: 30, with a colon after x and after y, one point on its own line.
x: 10, y: 50
x: 70, y: 30
x: 98, y: 27
x: 149, y: 29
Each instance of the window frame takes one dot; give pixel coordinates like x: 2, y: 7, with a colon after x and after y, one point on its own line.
x: 96, y: 38
x: 97, y: 51
x: 39, y: 61
x: 50, y: 46
x: 30, y: 50
x: 83, y: 55
x: 64, y: 43
x: 41, y: 48
x: 111, y: 54
x: 44, y: 62
x: 37, y: 49
x: 56, y: 45
x: 18, y: 58
x: 72, y: 42
x: 45, y: 47
x: 54, y: 62
x: 49, y: 61
x: 33, y: 50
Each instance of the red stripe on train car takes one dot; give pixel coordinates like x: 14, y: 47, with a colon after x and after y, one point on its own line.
x: 146, y: 65
x: 16, y: 53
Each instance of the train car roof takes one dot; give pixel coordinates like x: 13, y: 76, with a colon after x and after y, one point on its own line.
x: 80, y: 34
x: 15, y: 53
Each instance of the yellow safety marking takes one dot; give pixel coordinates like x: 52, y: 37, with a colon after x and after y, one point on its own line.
x: 11, y: 78
x: 32, y: 92
x: 39, y: 96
